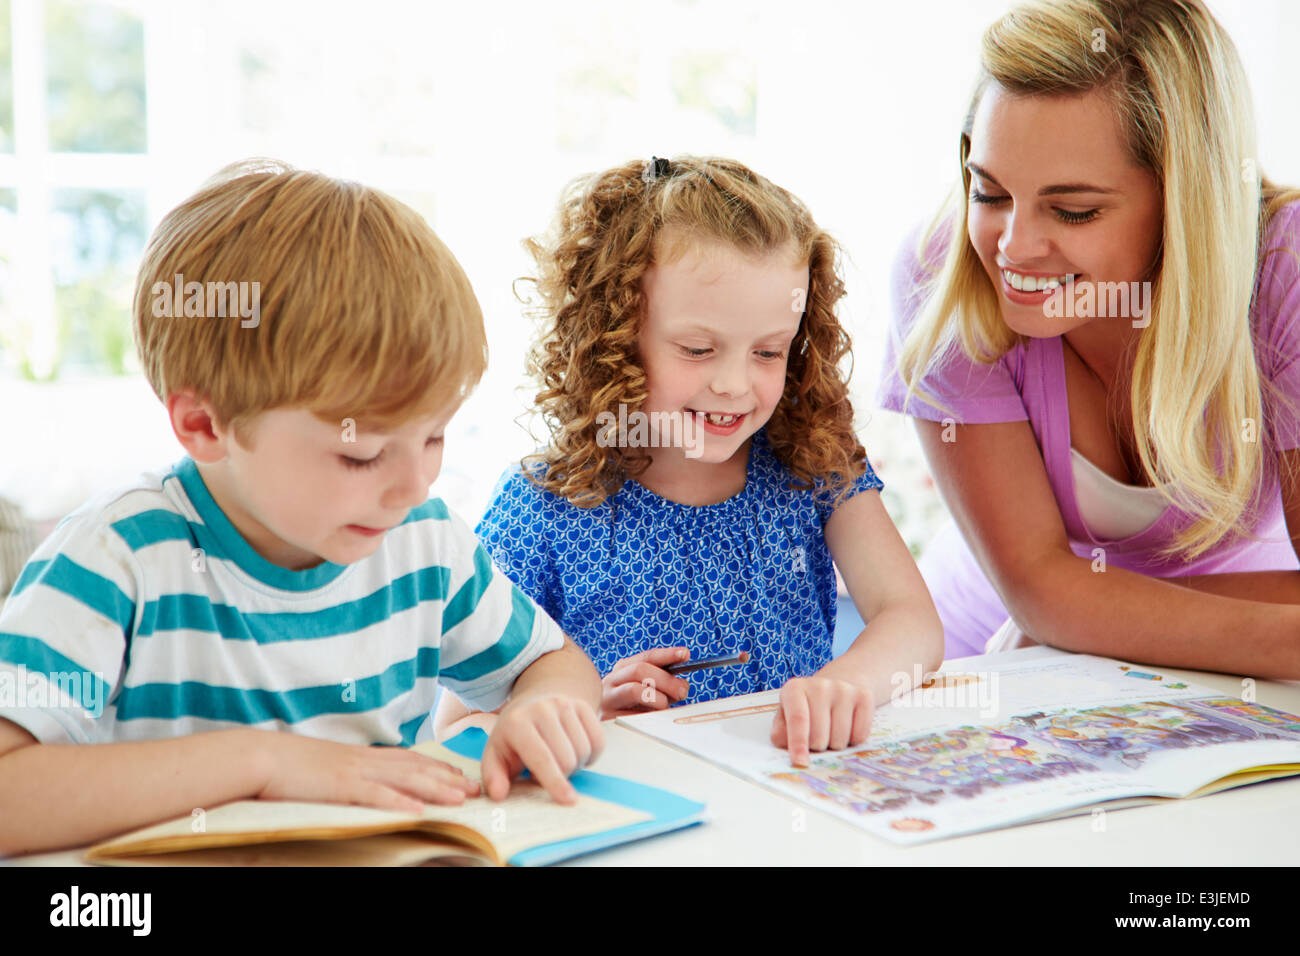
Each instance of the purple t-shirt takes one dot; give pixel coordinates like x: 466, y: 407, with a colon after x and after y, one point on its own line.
x: 1028, y: 383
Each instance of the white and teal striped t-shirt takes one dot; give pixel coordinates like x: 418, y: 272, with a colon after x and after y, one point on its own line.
x: 146, y: 615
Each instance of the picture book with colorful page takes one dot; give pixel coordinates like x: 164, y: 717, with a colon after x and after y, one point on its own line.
x: 1016, y: 741
x: 528, y: 828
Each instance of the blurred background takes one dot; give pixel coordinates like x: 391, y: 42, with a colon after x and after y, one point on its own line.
x: 476, y: 115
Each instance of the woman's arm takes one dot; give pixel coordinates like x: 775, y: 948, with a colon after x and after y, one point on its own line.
x: 993, y: 480
x: 1275, y: 587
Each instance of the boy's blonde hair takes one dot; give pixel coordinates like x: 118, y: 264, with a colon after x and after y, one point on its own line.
x: 1180, y: 95
x: 364, y: 313
x: 611, y: 227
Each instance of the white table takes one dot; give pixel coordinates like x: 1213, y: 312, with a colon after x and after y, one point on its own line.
x: 749, y: 825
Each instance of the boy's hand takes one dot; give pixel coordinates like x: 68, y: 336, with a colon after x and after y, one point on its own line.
x: 639, y: 683
x: 819, y: 713
x: 391, y: 778
x: 552, y: 736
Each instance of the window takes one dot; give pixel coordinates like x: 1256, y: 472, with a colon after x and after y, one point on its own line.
x: 113, y: 111
x: 71, y: 185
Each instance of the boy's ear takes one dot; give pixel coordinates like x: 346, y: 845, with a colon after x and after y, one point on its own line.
x: 196, y: 427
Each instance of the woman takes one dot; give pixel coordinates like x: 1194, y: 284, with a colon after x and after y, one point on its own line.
x: 1099, y: 341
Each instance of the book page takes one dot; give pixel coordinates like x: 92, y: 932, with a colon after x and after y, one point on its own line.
x: 1018, y: 741
x: 527, y: 818
x: 382, y: 849
x: 267, y: 819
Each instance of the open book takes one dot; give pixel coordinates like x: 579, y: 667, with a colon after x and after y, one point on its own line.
x: 526, y: 829
x: 1017, y: 741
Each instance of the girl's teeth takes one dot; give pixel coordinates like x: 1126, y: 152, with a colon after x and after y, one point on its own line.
x: 722, y: 420
x: 1023, y: 283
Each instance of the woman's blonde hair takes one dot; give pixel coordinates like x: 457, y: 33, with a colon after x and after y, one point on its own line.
x: 364, y: 313
x: 589, y: 271
x: 1181, y: 98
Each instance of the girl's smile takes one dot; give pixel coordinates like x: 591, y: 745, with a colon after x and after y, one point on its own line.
x: 714, y: 344
x: 719, y: 423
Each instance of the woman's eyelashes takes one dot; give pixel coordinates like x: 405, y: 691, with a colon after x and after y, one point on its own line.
x: 1076, y: 218
x: 1065, y: 215
x: 359, y: 463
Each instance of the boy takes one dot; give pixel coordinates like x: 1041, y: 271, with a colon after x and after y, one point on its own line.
x: 311, y: 339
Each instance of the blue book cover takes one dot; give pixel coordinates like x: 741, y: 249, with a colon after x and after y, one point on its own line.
x: 668, y: 810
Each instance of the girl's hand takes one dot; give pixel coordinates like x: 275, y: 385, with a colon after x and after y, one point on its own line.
x: 820, y: 713
x: 551, y: 735
x: 639, y: 683
x: 391, y: 778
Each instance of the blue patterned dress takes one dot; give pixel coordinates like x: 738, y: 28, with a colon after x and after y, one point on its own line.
x: 639, y: 571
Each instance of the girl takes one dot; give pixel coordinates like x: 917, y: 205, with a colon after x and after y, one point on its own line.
x: 1100, y: 341
x: 698, y: 297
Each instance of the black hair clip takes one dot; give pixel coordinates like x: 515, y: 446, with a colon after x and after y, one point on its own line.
x: 656, y: 168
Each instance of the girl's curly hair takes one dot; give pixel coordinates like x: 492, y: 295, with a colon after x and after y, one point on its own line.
x: 589, y: 271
